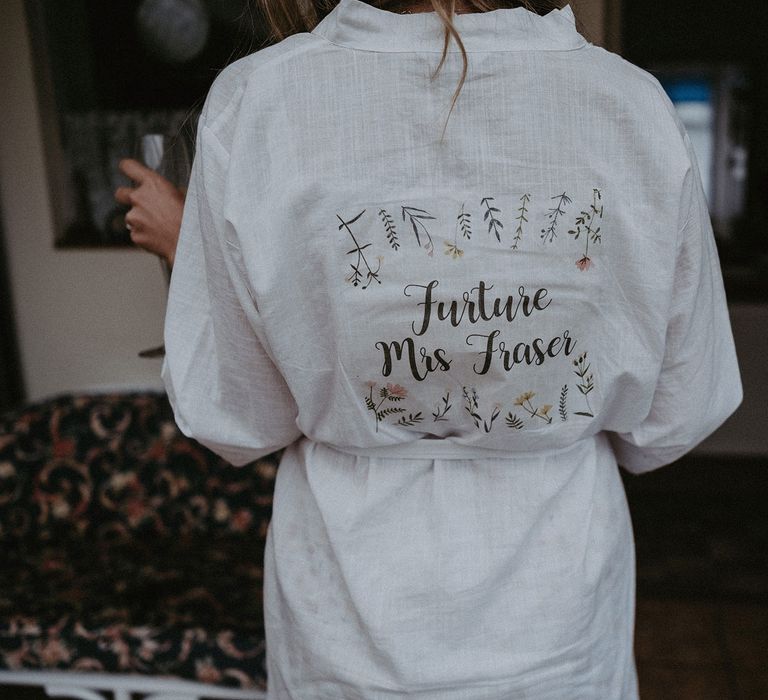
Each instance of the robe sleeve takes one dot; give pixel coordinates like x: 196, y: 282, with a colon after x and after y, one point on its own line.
x: 699, y: 384
x: 222, y: 383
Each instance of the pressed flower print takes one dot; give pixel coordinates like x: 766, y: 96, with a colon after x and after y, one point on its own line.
x: 416, y: 217
x: 583, y: 263
x: 524, y: 401
x: 452, y: 250
x: 389, y: 393
x: 463, y: 224
x: 427, y: 221
x: 442, y: 408
x: 587, y: 382
x: 550, y: 233
x: 397, y: 390
x: 472, y: 405
x: 361, y: 268
x: 587, y: 224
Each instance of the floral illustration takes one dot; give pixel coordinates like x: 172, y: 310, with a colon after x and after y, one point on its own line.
x: 356, y: 276
x: 550, y: 233
x: 463, y: 223
x: 452, y: 250
x: 587, y: 382
x: 416, y: 218
x: 494, y: 225
x: 523, y: 211
x: 472, y: 406
x: 524, y: 401
x: 392, y: 393
x: 365, y: 267
x: 395, y: 390
x: 563, y: 403
x: 442, y: 408
x: 389, y: 227
x: 587, y: 224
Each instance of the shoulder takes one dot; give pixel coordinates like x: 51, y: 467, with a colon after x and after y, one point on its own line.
x: 635, y: 98
x: 232, y: 82
x: 635, y: 88
x: 639, y: 97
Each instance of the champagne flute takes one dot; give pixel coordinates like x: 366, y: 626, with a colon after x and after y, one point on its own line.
x: 171, y: 157
x: 153, y: 151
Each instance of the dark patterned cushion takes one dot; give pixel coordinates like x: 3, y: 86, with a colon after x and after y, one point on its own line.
x: 225, y: 658
x: 112, y: 466
x: 190, y: 606
x: 128, y: 547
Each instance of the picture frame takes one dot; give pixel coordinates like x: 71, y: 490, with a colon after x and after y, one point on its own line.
x: 108, y: 75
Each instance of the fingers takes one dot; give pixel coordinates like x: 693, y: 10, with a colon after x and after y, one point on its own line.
x: 134, y: 169
x: 148, y: 242
x: 132, y: 223
x: 124, y: 195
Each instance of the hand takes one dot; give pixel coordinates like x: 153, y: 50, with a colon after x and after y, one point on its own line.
x: 154, y: 218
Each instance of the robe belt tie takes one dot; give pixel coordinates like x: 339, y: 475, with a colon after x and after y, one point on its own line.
x: 447, y: 448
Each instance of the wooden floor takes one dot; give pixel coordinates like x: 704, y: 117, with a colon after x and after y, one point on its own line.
x: 690, y: 650
x: 701, y: 533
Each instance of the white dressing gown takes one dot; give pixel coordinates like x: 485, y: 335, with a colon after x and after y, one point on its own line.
x: 458, y: 341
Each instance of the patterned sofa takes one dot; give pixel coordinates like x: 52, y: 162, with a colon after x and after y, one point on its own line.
x: 131, y: 555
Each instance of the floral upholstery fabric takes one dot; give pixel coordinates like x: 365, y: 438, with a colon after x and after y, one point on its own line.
x: 128, y: 547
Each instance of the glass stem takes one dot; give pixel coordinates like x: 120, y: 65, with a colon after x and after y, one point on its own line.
x: 166, y: 269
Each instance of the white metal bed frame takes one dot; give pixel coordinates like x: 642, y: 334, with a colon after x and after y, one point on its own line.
x: 89, y: 685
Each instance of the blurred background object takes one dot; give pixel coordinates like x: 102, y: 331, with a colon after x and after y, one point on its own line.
x: 175, y: 31
x: 109, y: 73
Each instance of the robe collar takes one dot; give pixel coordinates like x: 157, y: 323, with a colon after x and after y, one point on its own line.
x: 358, y: 25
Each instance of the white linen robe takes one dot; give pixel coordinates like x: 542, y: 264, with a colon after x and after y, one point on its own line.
x: 458, y: 341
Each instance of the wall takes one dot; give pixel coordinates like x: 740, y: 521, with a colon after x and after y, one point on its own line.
x: 82, y: 315
x: 745, y: 431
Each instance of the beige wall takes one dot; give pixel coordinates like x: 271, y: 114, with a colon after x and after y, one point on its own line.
x: 82, y: 315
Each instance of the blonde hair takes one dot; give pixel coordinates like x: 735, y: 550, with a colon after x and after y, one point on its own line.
x: 286, y: 17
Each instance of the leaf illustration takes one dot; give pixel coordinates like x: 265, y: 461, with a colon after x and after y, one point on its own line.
x: 563, y: 399
x: 494, y: 225
x: 356, y: 277
x: 464, y: 221
x: 416, y: 217
x: 412, y: 419
x: 389, y: 228
x: 388, y: 411
x: 440, y: 410
x: 514, y: 422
